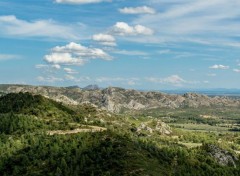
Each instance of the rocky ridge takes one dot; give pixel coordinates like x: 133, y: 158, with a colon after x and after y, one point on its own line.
x: 154, y: 126
x: 118, y: 99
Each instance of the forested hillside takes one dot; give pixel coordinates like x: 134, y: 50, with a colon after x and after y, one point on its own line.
x: 124, y: 145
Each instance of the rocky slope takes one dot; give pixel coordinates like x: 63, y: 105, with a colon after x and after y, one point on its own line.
x: 154, y: 126
x: 118, y: 99
x: 223, y: 157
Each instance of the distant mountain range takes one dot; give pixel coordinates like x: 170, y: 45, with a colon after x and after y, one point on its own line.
x: 116, y: 99
x: 210, y: 92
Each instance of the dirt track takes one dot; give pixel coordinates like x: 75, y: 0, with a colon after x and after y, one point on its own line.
x: 90, y: 129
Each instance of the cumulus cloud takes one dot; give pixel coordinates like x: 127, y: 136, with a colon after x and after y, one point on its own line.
x: 63, y: 59
x: 74, y: 54
x: 105, y: 39
x: 12, y: 26
x: 137, y: 10
x: 222, y: 67
x: 123, y: 29
x: 80, y: 1
x: 70, y: 71
x: 56, y: 66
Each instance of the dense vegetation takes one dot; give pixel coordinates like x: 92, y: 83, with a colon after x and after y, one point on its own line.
x: 26, y: 148
x: 26, y: 103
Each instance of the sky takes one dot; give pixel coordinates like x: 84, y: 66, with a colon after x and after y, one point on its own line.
x: 140, y: 44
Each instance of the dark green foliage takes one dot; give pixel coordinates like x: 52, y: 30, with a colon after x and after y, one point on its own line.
x: 22, y: 112
x: 27, y: 149
x: 105, y: 153
x: 14, y: 123
x: 26, y: 103
x: 82, y: 154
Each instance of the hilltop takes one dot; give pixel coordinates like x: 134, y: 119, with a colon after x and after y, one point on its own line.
x: 116, y: 99
x: 25, y: 103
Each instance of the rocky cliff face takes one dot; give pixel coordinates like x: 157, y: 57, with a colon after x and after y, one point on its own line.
x: 118, y: 99
x: 223, y: 157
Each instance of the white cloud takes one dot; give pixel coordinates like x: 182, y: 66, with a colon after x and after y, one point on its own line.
x: 201, y: 21
x: 223, y: 67
x: 70, y: 71
x: 167, y: 51
x: 174, y: 79
x: 83, y: 79
x: 49, y: 79
x: 121, y: 80
x: 8, y: 57
x: 80, y: 1
x: 131, y: 83
x: 75, y: 54
x: 56, y: 66
x: 212, y: 74
x: 137, y: 10
x: 236, y: 70
x: 48, y: 68
x: 40, y: 66
x: 11, y: 26
x: 105, y: 39
x: 123, y: 29
x: 77, y: 79
x: 130, y: 53
x: 108, y: 79
x: 63, y: 59
x: 70, y: 77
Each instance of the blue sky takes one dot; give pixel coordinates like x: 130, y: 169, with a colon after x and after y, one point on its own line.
x: 143, y: 44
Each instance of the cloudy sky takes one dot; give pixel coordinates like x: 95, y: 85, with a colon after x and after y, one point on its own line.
x: 142, y: 44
